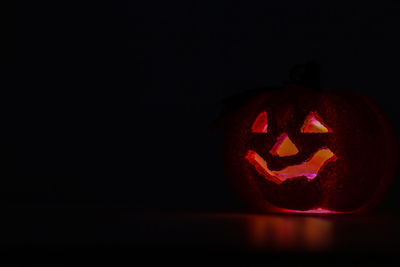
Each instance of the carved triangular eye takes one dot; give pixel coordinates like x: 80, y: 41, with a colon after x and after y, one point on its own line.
x: 314, y: 124
x: 260, y: 125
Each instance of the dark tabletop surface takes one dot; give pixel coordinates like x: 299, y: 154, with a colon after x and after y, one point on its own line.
x: 237, y: 238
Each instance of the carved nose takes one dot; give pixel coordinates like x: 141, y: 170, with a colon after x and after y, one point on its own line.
x: 284, y: 147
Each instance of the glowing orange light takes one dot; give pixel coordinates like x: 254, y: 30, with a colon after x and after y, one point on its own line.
x: 260, y: 125
x: 299, y: 233
x: 313, y: 124
x: 284, y: 147
x: 309, y: 168
x: 313, y: 211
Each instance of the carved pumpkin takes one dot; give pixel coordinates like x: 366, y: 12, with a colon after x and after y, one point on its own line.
x: 297, y: 150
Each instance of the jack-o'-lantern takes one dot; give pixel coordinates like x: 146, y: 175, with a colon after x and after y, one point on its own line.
x: 298, y: 150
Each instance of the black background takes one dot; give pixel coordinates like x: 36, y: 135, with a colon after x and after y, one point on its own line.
x: 107, y: 107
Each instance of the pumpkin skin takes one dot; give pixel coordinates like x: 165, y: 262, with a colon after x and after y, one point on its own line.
x: 360, y: 138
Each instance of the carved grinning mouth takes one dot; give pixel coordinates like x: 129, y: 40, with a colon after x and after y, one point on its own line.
x: 308, y: 169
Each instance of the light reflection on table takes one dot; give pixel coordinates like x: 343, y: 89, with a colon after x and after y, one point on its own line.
x: 289, y: 233
x: 265, y: 232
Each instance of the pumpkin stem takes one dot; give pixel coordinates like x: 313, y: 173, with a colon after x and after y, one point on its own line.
x: 306, y: 75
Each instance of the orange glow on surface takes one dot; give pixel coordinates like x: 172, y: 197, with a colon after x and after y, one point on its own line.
x: 313, y: 124
x: 284, y: 147
x: 309, y: 168
x: 313, y: 211
x: 286, y: 233
x: 260, y: 125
